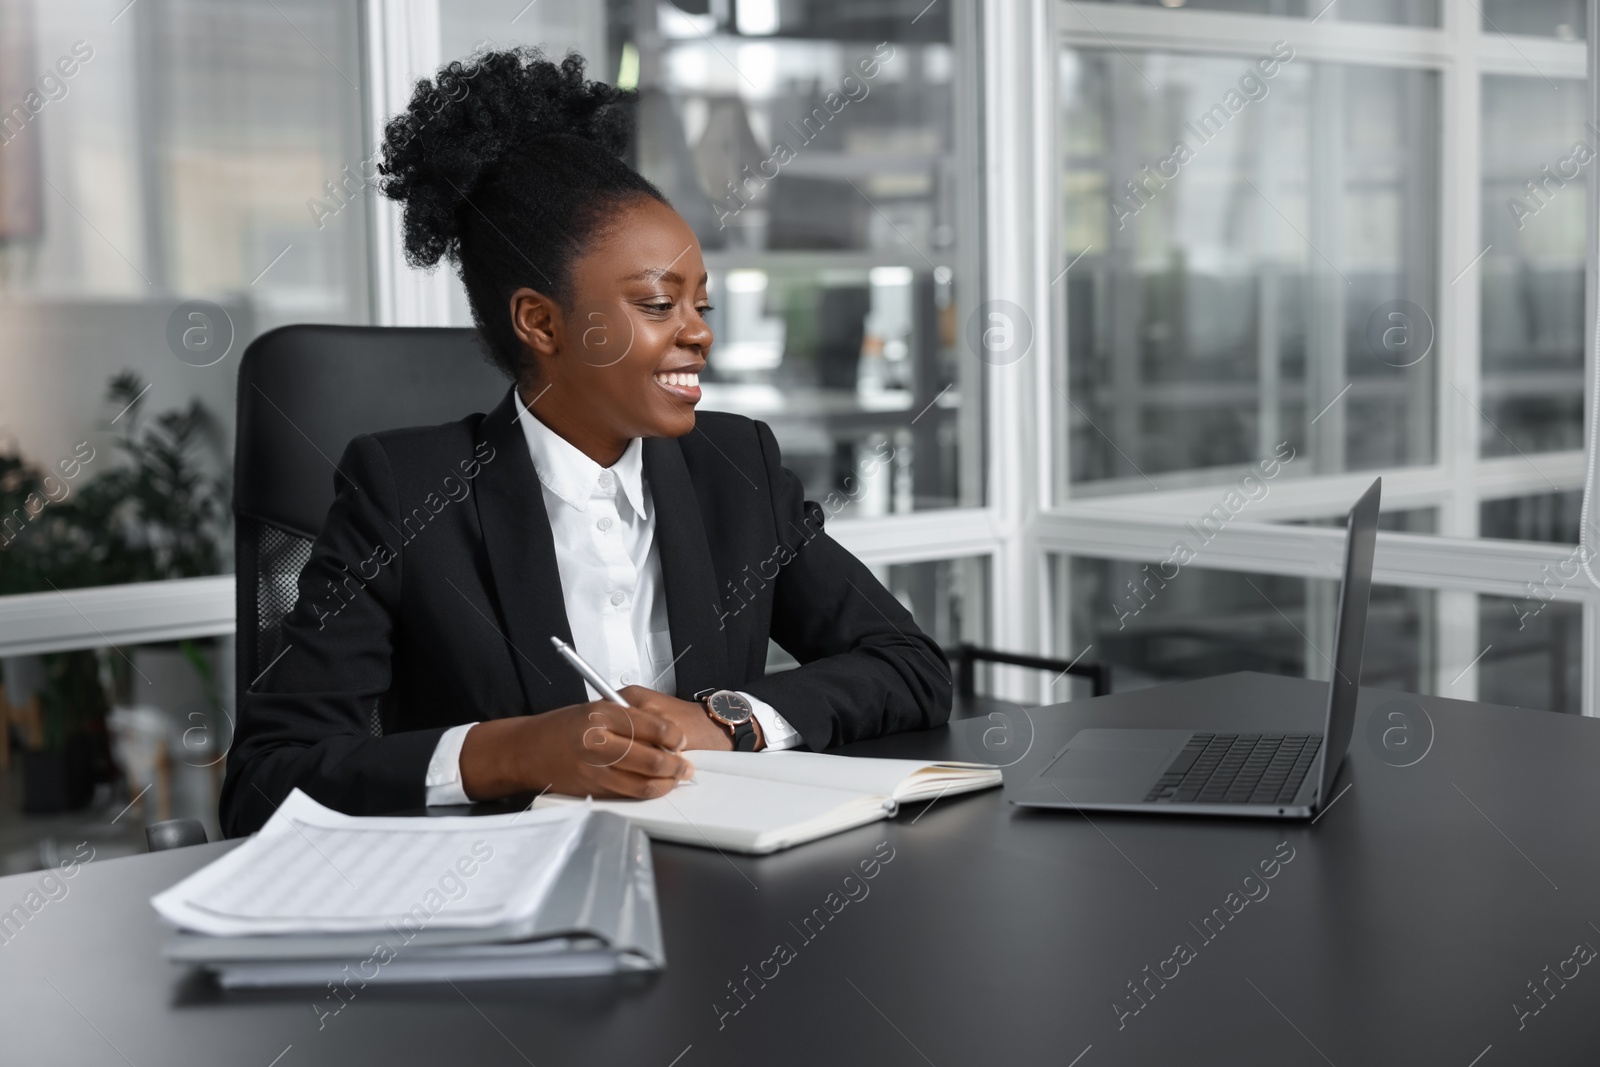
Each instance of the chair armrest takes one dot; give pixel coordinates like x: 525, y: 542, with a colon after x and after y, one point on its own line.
x: 965, y: 655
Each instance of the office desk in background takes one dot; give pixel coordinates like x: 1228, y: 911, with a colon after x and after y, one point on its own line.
x: 1407, y: 926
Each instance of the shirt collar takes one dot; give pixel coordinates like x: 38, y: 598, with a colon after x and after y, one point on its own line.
x: 573, y: 476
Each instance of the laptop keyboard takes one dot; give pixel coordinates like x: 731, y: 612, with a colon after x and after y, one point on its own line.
x: 1237, y: 769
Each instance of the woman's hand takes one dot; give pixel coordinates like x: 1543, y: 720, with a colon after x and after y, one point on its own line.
x: 700, y: 730
x: 597, y: 749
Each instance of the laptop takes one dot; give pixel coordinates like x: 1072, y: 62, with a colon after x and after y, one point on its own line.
x: 1220, y: 765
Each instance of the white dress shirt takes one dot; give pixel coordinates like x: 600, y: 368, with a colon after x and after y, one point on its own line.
x: 604, y: 526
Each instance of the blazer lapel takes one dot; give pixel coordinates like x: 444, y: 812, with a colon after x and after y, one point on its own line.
x: 686, y: 571
x: 522, y: 559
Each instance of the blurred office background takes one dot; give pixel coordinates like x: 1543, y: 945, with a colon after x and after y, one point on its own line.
x: 1017, y: 379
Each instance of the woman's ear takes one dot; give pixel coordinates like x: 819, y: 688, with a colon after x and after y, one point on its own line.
x: 537, y: 321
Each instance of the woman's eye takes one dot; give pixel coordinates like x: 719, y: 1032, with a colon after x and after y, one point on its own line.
x: 706, y: 308
x: 659, y: 307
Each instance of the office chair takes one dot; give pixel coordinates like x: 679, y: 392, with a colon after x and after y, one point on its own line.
x: 304, y: 392
x: 965, y: 657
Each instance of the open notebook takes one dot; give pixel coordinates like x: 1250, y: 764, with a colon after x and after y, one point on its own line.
x: 761, y: 802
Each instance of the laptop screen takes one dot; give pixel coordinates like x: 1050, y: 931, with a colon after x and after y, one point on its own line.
x: 1349, y: 632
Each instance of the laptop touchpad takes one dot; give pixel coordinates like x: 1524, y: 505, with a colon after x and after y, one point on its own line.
x: 1105, y: 766
x: 1134, y: 762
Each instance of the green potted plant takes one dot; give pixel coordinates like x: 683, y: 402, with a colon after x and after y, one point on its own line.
x: 159, y: 515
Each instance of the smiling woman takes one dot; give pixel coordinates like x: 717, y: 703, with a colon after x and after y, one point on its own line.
x: 615, y: 520
x: 522, y: 187
x: 600, y: 400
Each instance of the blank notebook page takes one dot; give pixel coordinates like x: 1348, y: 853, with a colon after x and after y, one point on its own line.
x: 719, y: 804
x: 902, y: 779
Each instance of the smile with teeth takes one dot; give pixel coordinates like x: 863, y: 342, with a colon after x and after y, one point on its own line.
x: 679, y: 378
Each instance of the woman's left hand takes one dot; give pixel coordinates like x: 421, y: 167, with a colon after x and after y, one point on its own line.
x: 688, y: 715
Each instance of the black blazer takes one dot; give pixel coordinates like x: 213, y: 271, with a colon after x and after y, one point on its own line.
x: 432, y: 592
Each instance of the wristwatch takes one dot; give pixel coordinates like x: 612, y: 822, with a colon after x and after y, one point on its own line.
x: 732, y: 711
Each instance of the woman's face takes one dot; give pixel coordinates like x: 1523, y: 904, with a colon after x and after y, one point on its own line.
x: 624, y: 360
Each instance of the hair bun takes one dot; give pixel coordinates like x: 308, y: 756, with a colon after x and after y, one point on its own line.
x: 474, y: 116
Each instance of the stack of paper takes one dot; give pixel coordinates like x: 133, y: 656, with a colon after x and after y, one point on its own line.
x: 318, y: 896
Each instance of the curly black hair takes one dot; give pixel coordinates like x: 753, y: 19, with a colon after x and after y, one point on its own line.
x: 507, y: 164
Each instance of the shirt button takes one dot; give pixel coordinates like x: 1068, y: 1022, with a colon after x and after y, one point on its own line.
x: 617, y: 598
x: 604, y: 524
x: 605, y: 479
x: 627, y: 677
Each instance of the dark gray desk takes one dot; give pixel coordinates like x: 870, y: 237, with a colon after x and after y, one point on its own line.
x: 1408, y: 923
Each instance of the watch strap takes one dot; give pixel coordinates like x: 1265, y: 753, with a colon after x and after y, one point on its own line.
x: 744, y: 736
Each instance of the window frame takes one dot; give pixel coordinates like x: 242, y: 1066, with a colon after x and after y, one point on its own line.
x: 1455, y: 562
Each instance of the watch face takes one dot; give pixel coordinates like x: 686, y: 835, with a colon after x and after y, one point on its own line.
x: 730, y: 707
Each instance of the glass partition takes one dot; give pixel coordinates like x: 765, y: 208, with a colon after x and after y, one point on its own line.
x: 1536, y: 161
x: 816, y: 150
x: 1251, y: 245
x: 949, y: 598
x: 174, y: 180
x: 1551, y: 517
x: 1565, y: 20
x: 1152, y: 628
x: 1533, y: 654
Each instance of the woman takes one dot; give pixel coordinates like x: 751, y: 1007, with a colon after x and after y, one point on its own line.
x: 666, y: 546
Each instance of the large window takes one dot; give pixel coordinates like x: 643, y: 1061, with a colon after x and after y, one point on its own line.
x: 1240, y: 225
x: 170, y: 187
x: 1298, y: 253
x: 1203, y: 622
x: 175, y: 179
x: 1532, y: 280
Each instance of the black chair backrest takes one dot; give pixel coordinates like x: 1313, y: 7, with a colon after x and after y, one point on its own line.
x: 304, y: 393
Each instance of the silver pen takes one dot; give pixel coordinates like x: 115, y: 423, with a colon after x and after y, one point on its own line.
x: 590, y: 675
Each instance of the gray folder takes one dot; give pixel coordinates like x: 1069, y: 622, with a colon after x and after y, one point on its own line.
x: 600, y: 917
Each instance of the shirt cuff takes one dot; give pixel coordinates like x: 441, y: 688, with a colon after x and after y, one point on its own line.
x: 775, y: 729
x: 444, y: 769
